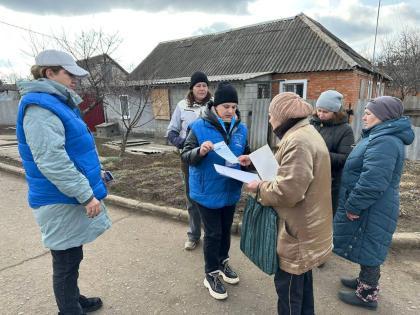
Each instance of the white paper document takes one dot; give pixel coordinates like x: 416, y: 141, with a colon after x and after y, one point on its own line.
x: 265, y: 163
x: 223, y: 150
x: 242, y: 176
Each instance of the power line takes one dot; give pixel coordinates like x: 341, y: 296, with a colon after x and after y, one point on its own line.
x: 28, y: 30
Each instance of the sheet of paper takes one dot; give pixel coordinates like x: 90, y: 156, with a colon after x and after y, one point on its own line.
x: 265, y: 163
x: 223, y: 150
x: 245, y: 177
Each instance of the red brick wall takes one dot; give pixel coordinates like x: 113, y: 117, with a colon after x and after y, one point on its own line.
x: 346, y: 82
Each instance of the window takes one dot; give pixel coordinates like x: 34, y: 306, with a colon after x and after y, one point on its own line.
x: 296, y: 86
x: 379, y: 89
x: 106, y: 72
x: 263, y: 90
x: 125, y: 109
x: 369, y: 91
x: 362, y: 91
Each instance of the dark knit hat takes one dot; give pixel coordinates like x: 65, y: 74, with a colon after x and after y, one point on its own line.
x: 386, y: 107
x: 288, y: 105
x: 198, y: 77
x: 225, y: 93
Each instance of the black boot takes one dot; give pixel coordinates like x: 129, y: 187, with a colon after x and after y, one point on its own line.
x: 90, y: 304
x: 365, y: 296
x: 349, y: 283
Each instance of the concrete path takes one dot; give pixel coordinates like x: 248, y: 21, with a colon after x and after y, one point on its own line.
x: 139, y: 267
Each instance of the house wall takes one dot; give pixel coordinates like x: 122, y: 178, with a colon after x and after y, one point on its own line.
x: 352, y: 84
x: 9, y: 101
x: 248, y: 104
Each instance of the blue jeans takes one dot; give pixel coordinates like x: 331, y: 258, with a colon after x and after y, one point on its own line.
x: 295, y: 293
x: 65, y: 274
x: 217, y: 225
x: 194, y: 219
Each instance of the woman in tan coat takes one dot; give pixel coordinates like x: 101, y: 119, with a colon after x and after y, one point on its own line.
x: 300, y: 195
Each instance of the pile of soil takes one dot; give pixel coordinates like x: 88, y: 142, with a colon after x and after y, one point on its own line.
x: 154, y: 178
x: 157, y: 178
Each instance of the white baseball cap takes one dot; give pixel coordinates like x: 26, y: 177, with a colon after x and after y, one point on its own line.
x: 52, y: 57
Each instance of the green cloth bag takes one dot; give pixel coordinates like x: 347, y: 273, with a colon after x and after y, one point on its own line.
x: 259, y: 235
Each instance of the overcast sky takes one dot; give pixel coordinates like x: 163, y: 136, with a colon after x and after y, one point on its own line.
x: 143, y: 24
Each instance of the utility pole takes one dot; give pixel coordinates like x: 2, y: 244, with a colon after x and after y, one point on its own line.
x: 374, y: 47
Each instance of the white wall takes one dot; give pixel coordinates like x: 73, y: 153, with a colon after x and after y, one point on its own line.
x: 9, y: 101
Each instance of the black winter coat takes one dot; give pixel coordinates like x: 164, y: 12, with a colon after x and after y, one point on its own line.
x: 339, y: 139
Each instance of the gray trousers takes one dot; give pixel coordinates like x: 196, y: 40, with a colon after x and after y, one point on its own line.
x: 194, y: 231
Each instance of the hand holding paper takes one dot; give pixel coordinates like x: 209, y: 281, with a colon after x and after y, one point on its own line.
x: 242, y: 176
x: 206, y: 147
x: 223, y: 150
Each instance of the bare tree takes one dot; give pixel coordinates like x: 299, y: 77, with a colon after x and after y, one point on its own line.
x: 130, y: 100
x: 400, y: 58
x: 93, y: 49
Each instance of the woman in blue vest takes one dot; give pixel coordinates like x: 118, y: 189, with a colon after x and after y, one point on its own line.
x: 368, y: 208
x: 63, y: 172
x: 214, y: 195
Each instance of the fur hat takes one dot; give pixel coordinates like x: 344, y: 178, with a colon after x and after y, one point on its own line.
x: 288, y: 105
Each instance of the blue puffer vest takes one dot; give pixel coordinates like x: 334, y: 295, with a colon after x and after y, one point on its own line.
x: 370, y: 189
x: 79, y: 145
x: 207, y: 187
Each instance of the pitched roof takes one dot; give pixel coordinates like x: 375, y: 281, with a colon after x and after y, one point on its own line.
x: 297, y: 44
x: 99, y: 59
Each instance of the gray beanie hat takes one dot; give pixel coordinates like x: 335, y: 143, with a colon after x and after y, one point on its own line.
x: 386, y: 107
x: 330, y: 100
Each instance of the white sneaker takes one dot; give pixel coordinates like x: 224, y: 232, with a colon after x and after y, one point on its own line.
x: 190, y: 245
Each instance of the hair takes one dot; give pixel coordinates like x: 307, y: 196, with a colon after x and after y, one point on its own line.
x: 39, y: 72
x: 337, y: 116
x: 191, y: 100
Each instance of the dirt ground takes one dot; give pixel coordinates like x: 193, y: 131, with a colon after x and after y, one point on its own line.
x: 157, y: 178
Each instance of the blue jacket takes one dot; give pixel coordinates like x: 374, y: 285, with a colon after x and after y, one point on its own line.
x: 79, y: 145
x: 370, y: 189
x: 206, y: 186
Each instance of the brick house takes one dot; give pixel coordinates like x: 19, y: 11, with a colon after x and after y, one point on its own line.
x: 295, y: 54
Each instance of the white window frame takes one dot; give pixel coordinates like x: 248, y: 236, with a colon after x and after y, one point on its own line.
x: 300, y: 81
x: 125, y: 117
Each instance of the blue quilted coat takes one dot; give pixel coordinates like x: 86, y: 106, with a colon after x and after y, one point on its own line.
x: 370, y: 189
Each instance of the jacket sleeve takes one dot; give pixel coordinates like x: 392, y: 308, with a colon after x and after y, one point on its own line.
x: 344, y: 147
x: 294, y: 176
x: 190, y: 152
x: 45, y: 136
x: 378, y: 167
x: 175, y: 139
x: 175, y: 123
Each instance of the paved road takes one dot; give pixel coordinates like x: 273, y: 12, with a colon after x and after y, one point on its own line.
x: 139, y: 267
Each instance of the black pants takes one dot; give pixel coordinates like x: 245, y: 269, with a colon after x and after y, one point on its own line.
x: 370, y: 275
x: 65, y: 274
x: 217, y: 225
x: 295, y: 293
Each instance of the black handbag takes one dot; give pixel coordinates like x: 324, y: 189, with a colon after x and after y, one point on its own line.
x: 259, y: 235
